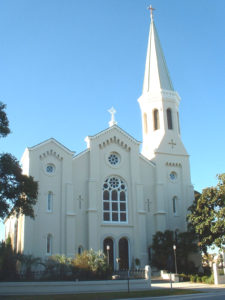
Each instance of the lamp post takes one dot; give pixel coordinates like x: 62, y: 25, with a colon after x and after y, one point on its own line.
x: 175, y: 257
x: 107, y: 249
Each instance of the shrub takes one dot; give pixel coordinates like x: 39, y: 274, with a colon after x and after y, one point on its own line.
x: 202, y: 279
x: 210, y: 279
x: 193, y: 278
x: 198, y: 279
x: 184, y: 277
x: 58, y: 267
x: 90, y: 265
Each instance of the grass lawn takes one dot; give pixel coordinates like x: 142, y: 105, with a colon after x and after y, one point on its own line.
x: 104, y: 296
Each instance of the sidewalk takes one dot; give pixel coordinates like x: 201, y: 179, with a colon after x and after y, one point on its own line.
x: 42, y: 288
x: 189, y: 285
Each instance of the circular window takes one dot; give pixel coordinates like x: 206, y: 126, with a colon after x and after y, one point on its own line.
x: 114, y: 159
x: 50, y: 168
x: 173, y: 176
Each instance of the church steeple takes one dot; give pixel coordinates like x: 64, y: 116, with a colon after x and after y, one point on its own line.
x: 159, y: 103
x: 156, y: 75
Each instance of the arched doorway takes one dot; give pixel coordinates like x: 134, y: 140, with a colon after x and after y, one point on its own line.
x: 123, y: 254
x: 108, y: 248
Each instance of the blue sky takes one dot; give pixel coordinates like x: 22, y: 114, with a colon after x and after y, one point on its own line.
x: 64, y: 63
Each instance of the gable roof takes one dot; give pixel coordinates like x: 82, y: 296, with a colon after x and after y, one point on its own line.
x: 54, y: 141
x: 112, y: 128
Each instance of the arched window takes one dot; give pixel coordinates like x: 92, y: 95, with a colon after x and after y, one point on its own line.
x: 114, y: 200
x: 123, y: 254
x: 50, y: 201
x: 155, y: 119
x: 169, y: 118
x: 174, y: 205
x: 145, y: 123
x: 49, y: 244
x: 178, y: 122
x: 80, y: 249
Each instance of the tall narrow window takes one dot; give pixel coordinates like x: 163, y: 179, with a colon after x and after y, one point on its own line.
x: 114, y: 200
x: 178, y: 122
x: 50, y: 201
x: 169, y: 118
x: 175, y: 205
x: 80, y: 250
x: 49, y: 244
x: 145, y: 123
x: 155, y: 119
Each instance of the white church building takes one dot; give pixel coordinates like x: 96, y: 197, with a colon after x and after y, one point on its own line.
x: 111, y: 194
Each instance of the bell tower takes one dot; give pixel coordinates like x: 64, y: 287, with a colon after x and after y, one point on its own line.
x: 162, y: 142
x: 159, y: 103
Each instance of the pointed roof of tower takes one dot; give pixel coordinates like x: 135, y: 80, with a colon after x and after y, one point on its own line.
x: 157, y: 76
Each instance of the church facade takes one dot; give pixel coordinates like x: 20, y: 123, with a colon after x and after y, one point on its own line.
x: 111, y: 196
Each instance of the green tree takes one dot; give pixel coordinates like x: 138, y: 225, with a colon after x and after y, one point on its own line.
x: 18, y: 192
x: 163, y: 249
x: 186, y: 245
x: 207, y: 216
x: 7, y: 261
x: 4, y: 122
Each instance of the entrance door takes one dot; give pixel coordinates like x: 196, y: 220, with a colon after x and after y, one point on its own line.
x: 123, y: 254
x: 109, y: 250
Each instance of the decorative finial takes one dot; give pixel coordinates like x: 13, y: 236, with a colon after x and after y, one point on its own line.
x: 151, y: 11
x: 112, y: 111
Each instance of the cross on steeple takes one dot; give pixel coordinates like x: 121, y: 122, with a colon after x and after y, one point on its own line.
x: 112, y: 111
x: 151, y: 11
x: 172, y: 143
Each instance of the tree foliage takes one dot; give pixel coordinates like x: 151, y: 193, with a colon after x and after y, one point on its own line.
x: 4, y: 122
x: 91, y: 265
x: 7, y: 261
x: 18, y: 192
x: 91, y: 260
x: 163, y: 249
x: 207, y: 215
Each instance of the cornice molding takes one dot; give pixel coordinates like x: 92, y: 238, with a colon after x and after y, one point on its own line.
x: 173, y: 164
x: 50, y: 153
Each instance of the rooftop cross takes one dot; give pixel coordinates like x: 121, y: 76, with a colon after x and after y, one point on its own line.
x: 151, y: 11
x: 112, y: 111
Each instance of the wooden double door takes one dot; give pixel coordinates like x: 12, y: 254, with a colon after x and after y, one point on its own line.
x: 120, y: 262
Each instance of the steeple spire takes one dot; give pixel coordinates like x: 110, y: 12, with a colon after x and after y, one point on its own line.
x: 159, y: 103
x: 156, y: 76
